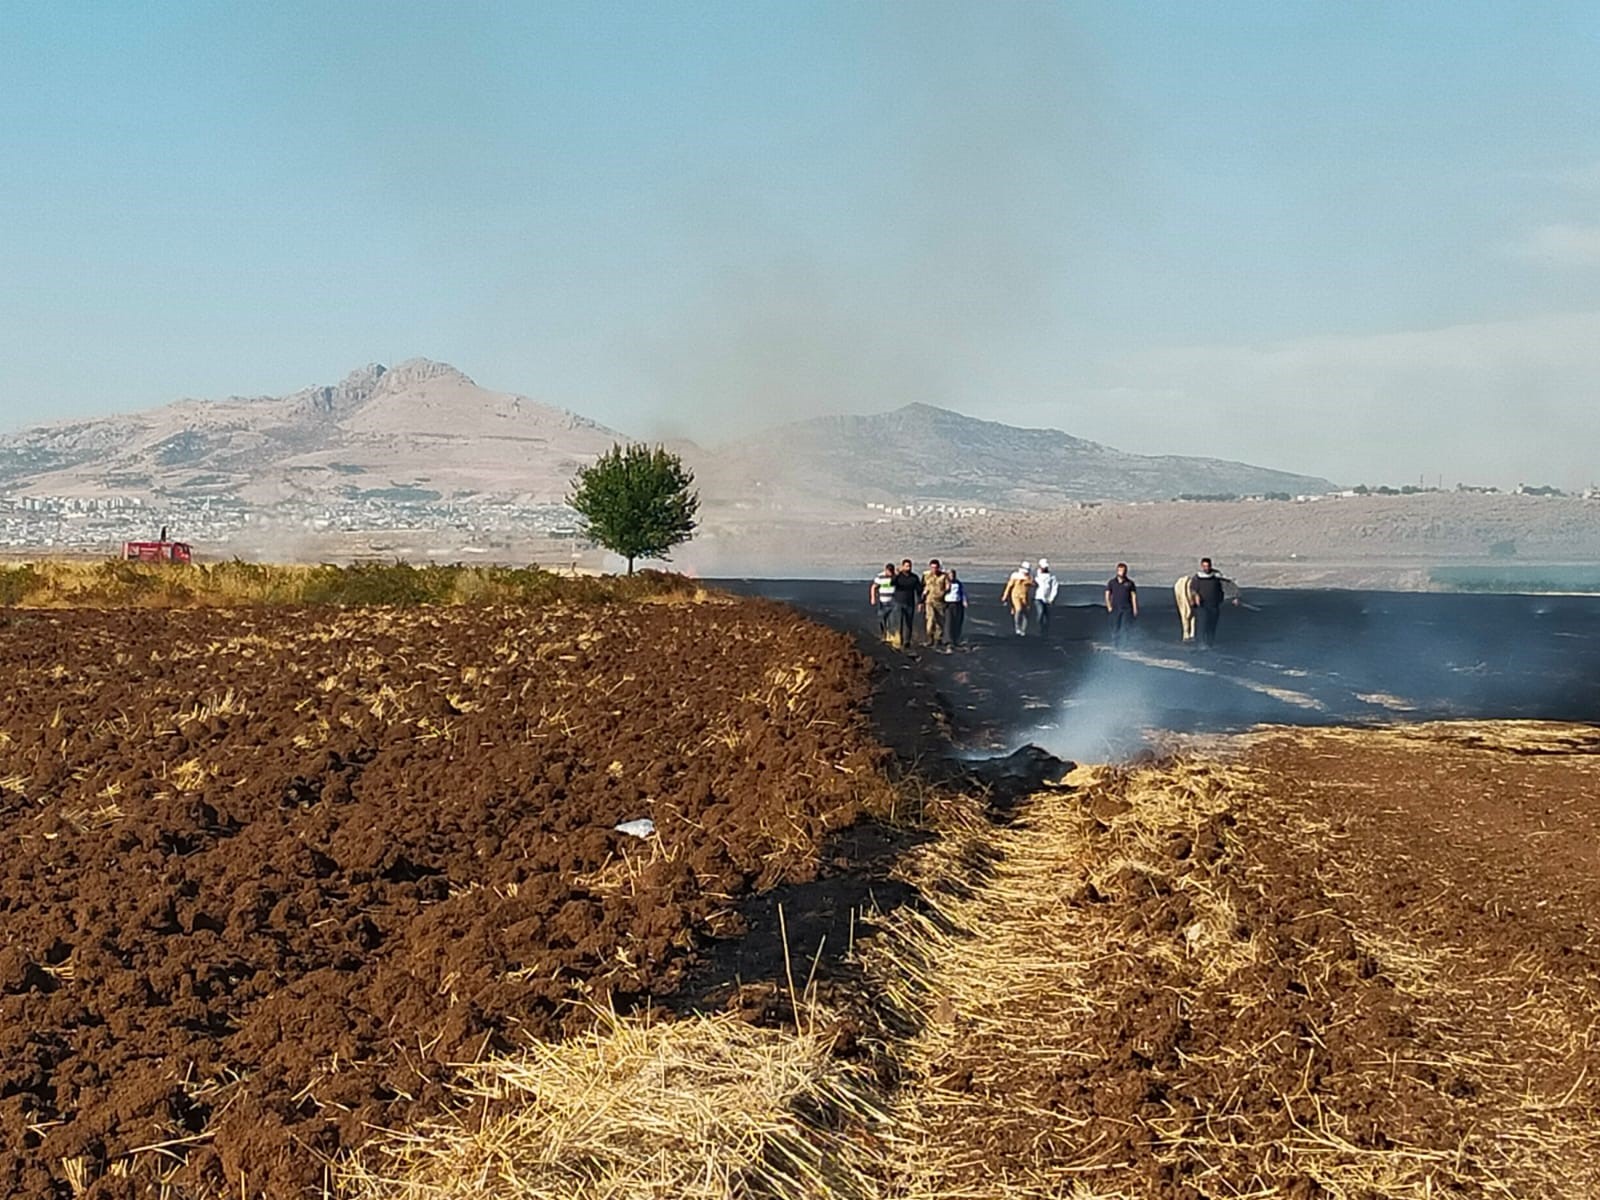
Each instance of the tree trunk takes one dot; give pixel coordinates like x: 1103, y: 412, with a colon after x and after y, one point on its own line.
x: 630, y: 564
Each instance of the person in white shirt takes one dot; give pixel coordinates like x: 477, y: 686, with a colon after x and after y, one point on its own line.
x: 955, y: 601
x: 1045, y: 588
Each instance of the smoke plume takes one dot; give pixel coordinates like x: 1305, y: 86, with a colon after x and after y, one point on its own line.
x: 920, y: 270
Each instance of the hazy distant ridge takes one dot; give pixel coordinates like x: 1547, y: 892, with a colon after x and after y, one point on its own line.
x: 421, y: 425
x: 424, y: 429
x: 920, y: 453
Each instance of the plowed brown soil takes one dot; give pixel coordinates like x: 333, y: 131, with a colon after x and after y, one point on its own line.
x: 266, y: 874
x: 1330, y: 964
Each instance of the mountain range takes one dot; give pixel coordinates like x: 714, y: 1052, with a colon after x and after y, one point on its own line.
x: 420, y: 430
x: 922, y: 454
x: 424, y: 430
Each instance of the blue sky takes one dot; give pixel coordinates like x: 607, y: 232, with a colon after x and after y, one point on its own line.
x: 1356, y: 239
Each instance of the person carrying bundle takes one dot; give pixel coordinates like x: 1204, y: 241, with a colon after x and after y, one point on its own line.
x: 1018, y: 597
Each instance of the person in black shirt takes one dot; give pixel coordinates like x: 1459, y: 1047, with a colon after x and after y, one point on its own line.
x: 1122, y: 602
x: 1206, y: 594
x: 907, y: 595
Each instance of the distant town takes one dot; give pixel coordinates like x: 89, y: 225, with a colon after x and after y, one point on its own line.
x: 222, y: 524
x: 75, y: 524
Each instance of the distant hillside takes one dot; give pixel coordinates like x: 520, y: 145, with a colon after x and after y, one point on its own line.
x: 920, y: 453
x: 420, y: 429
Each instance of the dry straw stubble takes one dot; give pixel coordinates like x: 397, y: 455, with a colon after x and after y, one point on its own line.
x: 701, y: 1109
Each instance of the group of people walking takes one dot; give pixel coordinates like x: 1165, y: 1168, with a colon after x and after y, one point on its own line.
x: 899, y: 594
x: 1029, y: 595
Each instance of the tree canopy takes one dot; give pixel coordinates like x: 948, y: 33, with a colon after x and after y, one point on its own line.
x: 637, y: 501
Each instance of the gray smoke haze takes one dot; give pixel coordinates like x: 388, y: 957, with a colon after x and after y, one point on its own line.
x: 270, y: 538
x: 988, y: 143
x: 1323, y: 658
x: 1298, y: 657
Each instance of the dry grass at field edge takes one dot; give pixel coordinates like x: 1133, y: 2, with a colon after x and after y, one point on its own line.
x: 236, y: 584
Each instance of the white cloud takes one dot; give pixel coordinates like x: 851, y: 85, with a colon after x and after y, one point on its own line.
x: 1565, y: 245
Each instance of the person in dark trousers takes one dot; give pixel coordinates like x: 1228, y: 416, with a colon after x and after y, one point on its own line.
x: 1206, y: 594
x: 955, y: 603
x: 1122, y: 602
x: 907, y: 595
x: 1046, y: 587
x: 883, y: 599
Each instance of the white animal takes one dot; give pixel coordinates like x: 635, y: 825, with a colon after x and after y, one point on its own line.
x: 1182, y: 594
x: 1185, y: 602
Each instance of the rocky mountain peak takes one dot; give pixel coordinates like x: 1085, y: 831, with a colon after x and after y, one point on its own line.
x: 354, y: 390
x: 371, y: 382
x: 420, y: 370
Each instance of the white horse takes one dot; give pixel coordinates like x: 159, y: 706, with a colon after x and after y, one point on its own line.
x: 1185, y: 601
x: 1183, y: 595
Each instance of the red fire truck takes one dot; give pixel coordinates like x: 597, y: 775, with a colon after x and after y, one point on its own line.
x: 161, y: 551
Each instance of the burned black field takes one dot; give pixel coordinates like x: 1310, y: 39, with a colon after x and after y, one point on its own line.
x: 1293, y: 657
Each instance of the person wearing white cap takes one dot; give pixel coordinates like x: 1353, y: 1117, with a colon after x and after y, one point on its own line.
x: 1018, y: 597
x: 1045, y: 587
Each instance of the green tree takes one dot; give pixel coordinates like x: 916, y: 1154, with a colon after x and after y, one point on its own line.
x: 637, y: 501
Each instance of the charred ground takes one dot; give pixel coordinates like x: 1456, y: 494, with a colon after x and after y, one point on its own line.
x: 1298, y: 657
